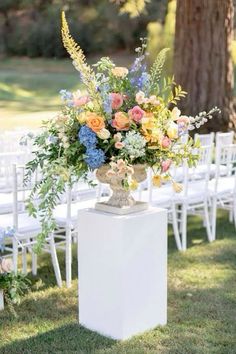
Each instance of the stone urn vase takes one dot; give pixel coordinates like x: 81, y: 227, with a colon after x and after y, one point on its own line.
x: 121, y: 200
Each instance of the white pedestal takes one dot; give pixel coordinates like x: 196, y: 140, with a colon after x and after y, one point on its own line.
x: 122, y: 271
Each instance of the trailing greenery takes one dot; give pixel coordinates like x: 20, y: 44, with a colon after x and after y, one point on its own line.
x: 14, y: 286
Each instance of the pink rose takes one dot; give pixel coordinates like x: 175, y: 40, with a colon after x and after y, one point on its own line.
x: 165, y: 165
x: 79, y: 100
x: 116, y: 100
x: 119, y: 145
x: 136, y: 114
x: 165, y: 142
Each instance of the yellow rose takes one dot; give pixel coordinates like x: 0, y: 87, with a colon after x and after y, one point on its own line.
x: 82, y: 117
x: 172, y: 131
x: 120, y: 71
x: 104, y: 134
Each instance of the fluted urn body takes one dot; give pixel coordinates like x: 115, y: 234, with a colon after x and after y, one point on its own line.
x: 121, y: 200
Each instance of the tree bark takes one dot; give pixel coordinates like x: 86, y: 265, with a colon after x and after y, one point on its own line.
x: 202, y: 59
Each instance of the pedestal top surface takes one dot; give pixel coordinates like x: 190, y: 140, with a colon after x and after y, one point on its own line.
x: 151, y: 210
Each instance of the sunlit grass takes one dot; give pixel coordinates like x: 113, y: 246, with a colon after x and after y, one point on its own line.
x: 201, y: 306
x: 29, y: 88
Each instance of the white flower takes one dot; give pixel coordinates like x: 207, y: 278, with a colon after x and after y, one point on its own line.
x: 140, y: 97
x: 104, y: 134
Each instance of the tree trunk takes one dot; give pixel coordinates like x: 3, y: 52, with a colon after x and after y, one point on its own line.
x: 202, y: 59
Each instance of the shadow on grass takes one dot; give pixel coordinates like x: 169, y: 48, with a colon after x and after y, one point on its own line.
x: 66, y: 339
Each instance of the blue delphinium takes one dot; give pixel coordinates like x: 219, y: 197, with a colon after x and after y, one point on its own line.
x: 87, y: 137
x: 66, y: 95
x: 95, y: 158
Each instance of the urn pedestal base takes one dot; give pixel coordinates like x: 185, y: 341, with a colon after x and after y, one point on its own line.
x: 122, y: 263
x: 137, y: 207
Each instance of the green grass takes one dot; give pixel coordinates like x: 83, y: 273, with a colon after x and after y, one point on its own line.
x: 29, y: 88
x: 201, y: 306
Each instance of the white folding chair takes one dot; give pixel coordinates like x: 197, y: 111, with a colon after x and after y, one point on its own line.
x: 223, y: 188
x: 25, y: 227
x: 65, y: 215
x: 205, y: 139
x: 193, y: 200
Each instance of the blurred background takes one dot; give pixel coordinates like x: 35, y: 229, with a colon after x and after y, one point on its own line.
x: 34, y: 66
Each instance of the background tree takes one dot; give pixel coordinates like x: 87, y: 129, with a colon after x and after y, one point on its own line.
x: 202, y: 58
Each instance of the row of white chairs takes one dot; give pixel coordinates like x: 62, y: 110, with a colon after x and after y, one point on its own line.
x: 203, y: 193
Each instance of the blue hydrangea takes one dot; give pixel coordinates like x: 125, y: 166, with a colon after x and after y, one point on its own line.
x: 134, y: 145
x: 87, y: 137
x: 95, y: 158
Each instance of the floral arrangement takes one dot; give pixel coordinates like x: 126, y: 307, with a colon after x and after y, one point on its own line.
x: 125, y: 117
x: 14, y: 286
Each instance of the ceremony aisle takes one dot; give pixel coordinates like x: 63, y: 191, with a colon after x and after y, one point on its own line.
x: 201, y: 306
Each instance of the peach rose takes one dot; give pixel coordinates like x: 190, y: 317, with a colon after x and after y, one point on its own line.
x: 120, y: 71
x: 136, y: 114
x: 116, y: 100
x: 95, y: 122
x: 121, y: 121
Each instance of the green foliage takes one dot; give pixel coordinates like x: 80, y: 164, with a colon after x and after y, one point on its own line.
x: 14, y: 286
x: 98, y: 27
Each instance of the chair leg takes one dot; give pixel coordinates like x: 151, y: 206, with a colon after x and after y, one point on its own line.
x: 234, y: 213
x: 24, y: 260
x: 34, y: 263
x: 175, y: 229
x: 15, y: 255
x: 68, y: 257
x: 55, y: 262
x: 213, y: 218
x: 207, y: 221
x: 184, y: 227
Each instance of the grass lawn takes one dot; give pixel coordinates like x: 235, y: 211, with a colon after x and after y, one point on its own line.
x: 29, y: 88
x: 201, y: 306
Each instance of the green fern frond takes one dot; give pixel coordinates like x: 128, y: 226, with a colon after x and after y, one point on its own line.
x: 156, y: 70
x: 79, y: 61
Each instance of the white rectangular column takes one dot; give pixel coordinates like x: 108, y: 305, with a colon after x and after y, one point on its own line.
x: 122, y: 271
